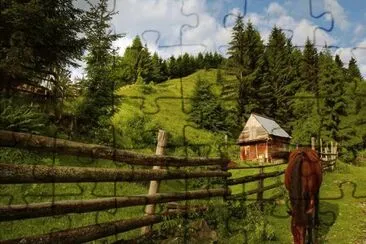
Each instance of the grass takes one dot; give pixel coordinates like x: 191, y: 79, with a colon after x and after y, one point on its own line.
x: 342, y: 218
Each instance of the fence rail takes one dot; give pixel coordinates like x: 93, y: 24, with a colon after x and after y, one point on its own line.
x: 61, y: 146
x: 35, y: 210
x: 19, y: 174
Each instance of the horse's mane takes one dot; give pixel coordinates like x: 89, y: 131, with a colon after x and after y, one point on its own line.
x: 299, y: 199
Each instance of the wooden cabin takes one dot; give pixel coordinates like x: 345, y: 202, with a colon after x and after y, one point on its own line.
x: 260, y: 137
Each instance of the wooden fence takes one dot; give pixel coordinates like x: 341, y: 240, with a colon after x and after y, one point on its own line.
x: 19, y: 174
x: 328, y: 155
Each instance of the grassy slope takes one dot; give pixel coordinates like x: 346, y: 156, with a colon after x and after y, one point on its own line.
x: 164, y: 104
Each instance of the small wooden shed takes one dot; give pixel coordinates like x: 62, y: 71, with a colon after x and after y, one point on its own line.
x: 260, y: 137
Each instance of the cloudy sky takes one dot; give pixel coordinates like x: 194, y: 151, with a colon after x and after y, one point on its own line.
x: 172, y: 27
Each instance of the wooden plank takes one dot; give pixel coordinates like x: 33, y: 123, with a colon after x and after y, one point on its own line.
x: 35, y: 210
x: 18, y: 174
x: 55, y: 145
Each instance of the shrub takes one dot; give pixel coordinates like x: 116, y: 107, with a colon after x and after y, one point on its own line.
x: 23, y: 118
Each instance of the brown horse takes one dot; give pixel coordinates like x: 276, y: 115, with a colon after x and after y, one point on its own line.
x: 303, y: 178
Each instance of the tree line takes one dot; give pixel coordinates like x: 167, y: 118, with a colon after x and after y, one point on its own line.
x: 309, y: 92
x: 139, y: 65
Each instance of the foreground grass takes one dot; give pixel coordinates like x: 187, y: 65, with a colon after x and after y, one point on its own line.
x: 341, y: 215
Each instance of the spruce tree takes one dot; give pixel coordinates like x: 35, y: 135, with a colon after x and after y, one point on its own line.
x: 280, y: 75
x: 207, y: 111
x: 309, y: 68
x: 331, y: 84
x: 37, y: 38
x: 145, y: 65
x: 131, y: 59
x: 173, y: 67
x: 200, y: 61
x: 245, y: 53
x: 99, y: 82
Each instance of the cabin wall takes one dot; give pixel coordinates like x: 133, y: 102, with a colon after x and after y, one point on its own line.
x: 253, y: 152
x: 259, y: 151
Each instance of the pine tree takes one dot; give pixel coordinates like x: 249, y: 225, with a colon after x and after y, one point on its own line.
x: 200, y: 61
x: 99, y: 82
x: 278, y: 54
x: 163, y: 69
x: 145, y: 65
x: 155, y: 72
x: 353, y: 70
x: 245, y: 52
x: 207, y: 111
x: 173, y: 67
x: 131, y: 59
x: 331, y: 83
x: 309, y: 68
x: 37, y: 38
x: 338, y: 61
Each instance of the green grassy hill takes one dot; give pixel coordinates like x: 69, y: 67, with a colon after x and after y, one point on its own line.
x: 167, y: 106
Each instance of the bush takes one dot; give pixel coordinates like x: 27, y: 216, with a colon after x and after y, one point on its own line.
x: 23, y: 118
x: 136, y: 132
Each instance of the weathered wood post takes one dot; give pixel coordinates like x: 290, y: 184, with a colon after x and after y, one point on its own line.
x: 313, y: 143
x: 260, y: 189
x: 154, y: 185
x: 321, y: 147
x: 333, y: 152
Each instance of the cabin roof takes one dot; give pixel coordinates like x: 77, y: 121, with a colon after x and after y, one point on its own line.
x: 271, y: 126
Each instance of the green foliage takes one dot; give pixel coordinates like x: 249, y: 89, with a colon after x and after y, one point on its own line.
x: 245, y: 56
x: 331, y: 82
x: 36, y: 38
x: 308, y: 120
x: 309, y: 68
x: 99, y: 84
x: 207, y: 111
x: 136, y: 131
x: 236, y: 220
x: 279, y: 76
x: 23, y: 118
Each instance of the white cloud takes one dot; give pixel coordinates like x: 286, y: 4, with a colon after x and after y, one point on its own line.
x: 275, y: 9
x: 339, y: 15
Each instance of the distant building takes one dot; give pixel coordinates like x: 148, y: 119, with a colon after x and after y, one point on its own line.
x: 260, y: 137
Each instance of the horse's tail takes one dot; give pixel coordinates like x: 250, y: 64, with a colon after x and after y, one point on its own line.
x: 296, y: 195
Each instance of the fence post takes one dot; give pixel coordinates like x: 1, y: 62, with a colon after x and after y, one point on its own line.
x: 332, y: 151
x: 313, y: 143
x: 260, y: 187
x: 321, y: 147
x: 154, y: 185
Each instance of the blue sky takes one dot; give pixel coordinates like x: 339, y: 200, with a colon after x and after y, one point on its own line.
x: 171, y: 27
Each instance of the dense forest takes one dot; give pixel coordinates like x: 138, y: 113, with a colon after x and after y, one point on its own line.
x: 307, y: 90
